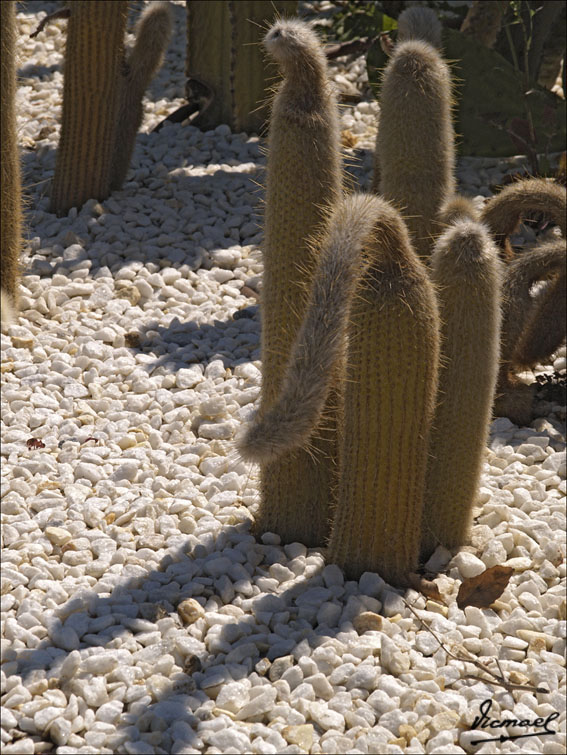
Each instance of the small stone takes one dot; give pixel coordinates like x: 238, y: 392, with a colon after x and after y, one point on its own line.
x: 468, y: 564
x: 326, y: 718
x: 368, y: 622
x: 261, y: 703
x: 393, y: 660
x: 190, y: 610
x: 301, y: 735
x: 280, y: 666
x: 58, y: 535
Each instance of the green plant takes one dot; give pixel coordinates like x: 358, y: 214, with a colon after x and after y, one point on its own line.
x: 11, y: 218
x: 492, y: 101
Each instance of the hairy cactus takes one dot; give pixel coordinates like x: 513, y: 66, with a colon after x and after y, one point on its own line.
x: 545, y: 330
x: 390, y: 391
x: 102, y: 97
x: 91, y: 88
x: 152, y: 32
x: 11, y: 219
x: 504, y: 212
x: 415, y: 152
x: 466, y: 271
x: 457, y: 208
x: 418, y: 22
x: 320, y: 346
x: 526, y: 326
x: 303, y: 178
x: 224, y: 56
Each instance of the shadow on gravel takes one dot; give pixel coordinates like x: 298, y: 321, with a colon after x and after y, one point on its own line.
x: 169, y: 240
x: 137, y: 606
x: 180, y: 344
x: 32, y: 70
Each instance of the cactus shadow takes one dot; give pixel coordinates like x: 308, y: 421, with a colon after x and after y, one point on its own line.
x: 187, y: 570
x: 34, y: 70
x: 182, y: 343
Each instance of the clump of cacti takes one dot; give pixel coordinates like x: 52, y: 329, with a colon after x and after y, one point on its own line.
x: 11, y: 218
x: 466, y: 271
x: 400, y: 354
x: 303, y: 179
x: 415, y: 155
x: 102, y: 97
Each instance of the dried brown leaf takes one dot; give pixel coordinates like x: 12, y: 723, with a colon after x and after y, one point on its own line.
x: 481, y: 591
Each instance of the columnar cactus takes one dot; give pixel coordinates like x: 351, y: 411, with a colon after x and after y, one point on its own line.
x: 102, y: 95
x: 91, y: 90
x: 390, y: 392
x: 224, y: 55
x: 466, y: 271
x: 503, y: 212
x: 303, y: 178
x: 11, y: 218
x: 415, y: 152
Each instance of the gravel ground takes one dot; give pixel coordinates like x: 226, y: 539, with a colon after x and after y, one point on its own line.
x: 138, y: 613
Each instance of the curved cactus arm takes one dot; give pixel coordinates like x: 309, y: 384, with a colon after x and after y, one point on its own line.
x: 153, y: 32
x: 504, y: 212
x: 321, y: 340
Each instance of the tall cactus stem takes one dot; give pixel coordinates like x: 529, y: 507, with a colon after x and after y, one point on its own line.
x: 390, y: 392
x: 467, y: 273
x: 415, y: 151
x: 91, y: 90
x: 303, y: 179
x: 11, y: 218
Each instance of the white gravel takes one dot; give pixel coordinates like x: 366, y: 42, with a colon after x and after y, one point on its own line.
x: 138, y: 614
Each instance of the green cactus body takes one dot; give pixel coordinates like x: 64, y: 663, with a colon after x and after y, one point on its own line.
x: 11, y: 219
x: 415, y: 141
x: 91, y: 89
x: 153, y: 31
x: 390, y: 392
x: 467, y: 273
x: 503, y: 212
x: 303, y: 178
